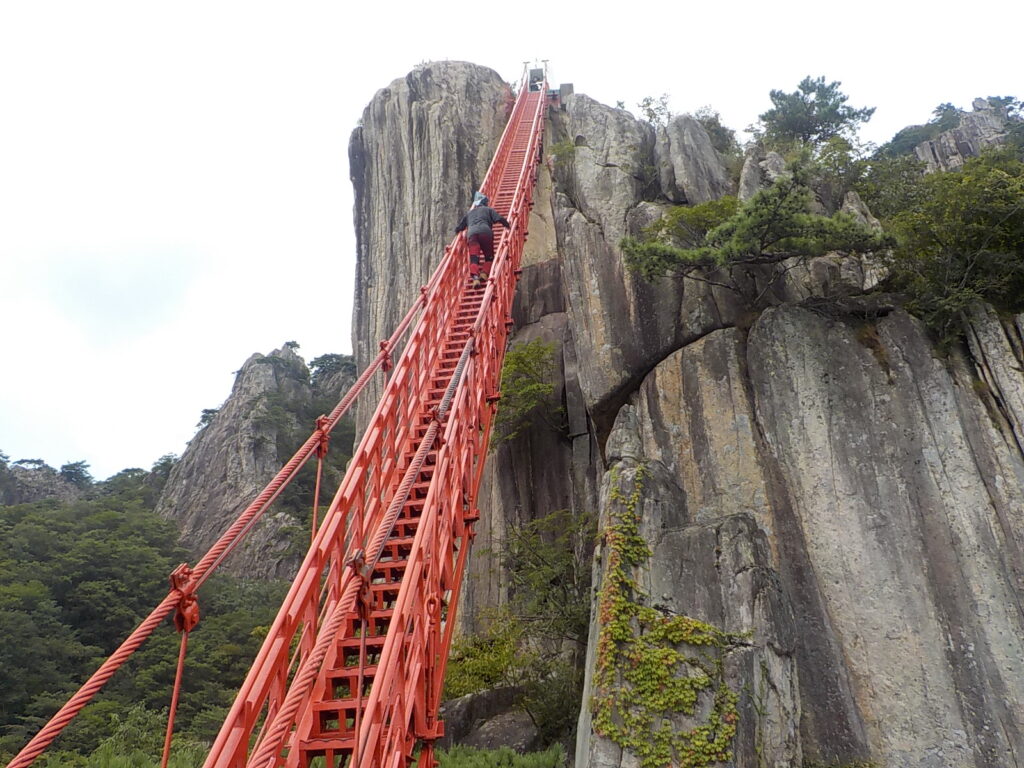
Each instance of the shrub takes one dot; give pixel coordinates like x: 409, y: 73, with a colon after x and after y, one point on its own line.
x: 722, y: 139
x: 325, y: 366
x: 563, y: 151
x: 889, y: 184
x: 485, y: 661
x: 527, y: 390
x: 655, y: 110
x: 537, y: 643
x: 963, y: 242
x: 775, y: 225
x: 470, y: 757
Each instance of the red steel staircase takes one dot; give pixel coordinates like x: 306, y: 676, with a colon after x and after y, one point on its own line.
x: 351, y: 671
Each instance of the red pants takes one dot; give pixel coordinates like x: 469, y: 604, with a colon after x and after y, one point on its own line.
x: 481, y: 254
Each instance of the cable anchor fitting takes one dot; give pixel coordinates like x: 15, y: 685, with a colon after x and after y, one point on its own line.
x: 186, y: 616
x: 435, y: 416
x: 323, y: 436
x: 385, y: 348
x: 364, y: 601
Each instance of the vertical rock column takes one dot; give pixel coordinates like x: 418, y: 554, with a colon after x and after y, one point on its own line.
x: 885, y: 451
x: 703, y: 511
x: 424, y: 145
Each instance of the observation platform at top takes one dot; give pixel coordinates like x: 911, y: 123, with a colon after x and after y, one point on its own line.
x: 537, y: 78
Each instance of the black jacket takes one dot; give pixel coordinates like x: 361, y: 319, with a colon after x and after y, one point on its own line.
x: 480, y: 220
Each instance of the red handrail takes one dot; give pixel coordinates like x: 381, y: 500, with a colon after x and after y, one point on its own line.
x: 456, y: 476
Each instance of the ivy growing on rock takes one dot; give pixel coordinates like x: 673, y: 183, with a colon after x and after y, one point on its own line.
x: 654, y: 669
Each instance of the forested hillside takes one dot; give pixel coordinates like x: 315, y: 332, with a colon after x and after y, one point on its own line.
x: 75, y: 579
x: 82, y: 562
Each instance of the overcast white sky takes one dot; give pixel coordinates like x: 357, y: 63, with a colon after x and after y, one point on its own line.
x: 174, y: 190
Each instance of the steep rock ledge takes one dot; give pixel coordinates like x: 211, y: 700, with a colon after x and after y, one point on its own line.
x: 29, y: 482
x: 878, y: 447
x: 984, y: 127
x: 726, y: 567
x: 237, y: 453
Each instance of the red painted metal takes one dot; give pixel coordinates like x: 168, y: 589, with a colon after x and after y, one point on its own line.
x: 409, y: 498
x: 352, y: 668
x: 178, y: 674
x: 213, y: 558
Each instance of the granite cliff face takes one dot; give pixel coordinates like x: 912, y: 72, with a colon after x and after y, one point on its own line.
x: 447, y: 117
x: 984, y: 127
x: 26, y: 482
x: 271, y: 409
x: 822, y: 482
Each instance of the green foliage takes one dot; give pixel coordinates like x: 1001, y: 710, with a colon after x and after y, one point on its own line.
x: 812, y: 114
x: 292, y: 424
x: 563, y: 151
x: 323, y: 367
x: 837, y: 169
x: 774, y: 225
x: 891, y: 183
x: 161, y: 471
x: 548, y: 562
x: 505, y: 655
x: 536, y: 643
x: 136, y: 741
x: 30, y: 463
x: 276, y: 412
x: 963, y: 241
x: 655, y: 110
x: 487, y: 660
x: 206, y: 417
x: 945, y: 118
x: 77, y: 473
x: 722, y: 139
x: 683, y: 228
x: 1010, y: 107
x: 235, y: 616
x: 946, y: 114
x: 7, y: 483
x: 527, y: 391
x: 75, y: 579
x: 470, y: 757
x: 654, y: 669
